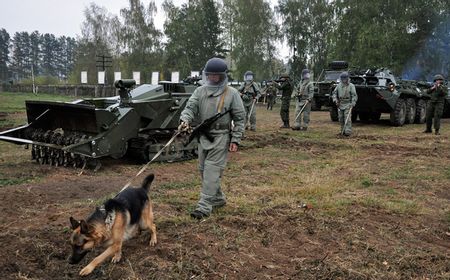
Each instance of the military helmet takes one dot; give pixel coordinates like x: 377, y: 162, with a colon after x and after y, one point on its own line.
x: 215, y: 65
x: 344, y: 75
x: 438, y: 77
x: 215, y: 73
x: 305, y: 71
x: 284, y: 75
x: 248, y: 76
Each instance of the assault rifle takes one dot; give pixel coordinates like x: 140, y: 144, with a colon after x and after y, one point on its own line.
x: 205, y: 126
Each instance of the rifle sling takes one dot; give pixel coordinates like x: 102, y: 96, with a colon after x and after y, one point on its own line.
x: 222, y: 100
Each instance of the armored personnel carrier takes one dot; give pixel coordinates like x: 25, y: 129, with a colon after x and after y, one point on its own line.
x: 137, y: 122
x: 380, y: 92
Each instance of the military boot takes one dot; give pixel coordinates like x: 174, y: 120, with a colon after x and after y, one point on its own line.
x: 437, y: 132
x: 285, y: 124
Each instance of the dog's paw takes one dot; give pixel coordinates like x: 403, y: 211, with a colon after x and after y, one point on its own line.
x: 86, y: 270
x: 116, y: 258
x: 152, y: 242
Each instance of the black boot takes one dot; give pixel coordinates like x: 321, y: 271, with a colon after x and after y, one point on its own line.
x: 437, y: 132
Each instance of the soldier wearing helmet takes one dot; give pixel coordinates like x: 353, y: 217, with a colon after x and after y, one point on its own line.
x: 250, y: 92
x: 286, y: 90
x: 212, y: 97
x: 271, y: 95
x: 304, y: 93
x: 435, y: 107
x: 345, y: 97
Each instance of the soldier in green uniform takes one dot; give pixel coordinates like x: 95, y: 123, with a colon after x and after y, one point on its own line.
x: 250, y: 93
x: 286, y: 91
x: 271, y: 95
x: 435, y: 107
x: 304, y: 93
x: 345, y: 97
x: 206, y: 101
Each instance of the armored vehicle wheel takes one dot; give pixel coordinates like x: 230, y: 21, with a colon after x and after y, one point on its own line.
x: 410, y: 110
x: 334, y: 113
x: 398, y: 115
x: 421, y: 111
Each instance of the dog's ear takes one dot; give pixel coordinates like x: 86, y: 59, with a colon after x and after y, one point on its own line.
x: 74, y: 223
x: 84, y: 227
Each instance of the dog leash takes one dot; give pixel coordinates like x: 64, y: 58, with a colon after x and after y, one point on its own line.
x: 152, y: 160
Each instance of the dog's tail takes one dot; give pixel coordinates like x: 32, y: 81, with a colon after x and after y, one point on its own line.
x: 147, y: 182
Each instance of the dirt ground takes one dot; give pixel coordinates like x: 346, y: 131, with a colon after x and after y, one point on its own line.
x: 380, y: 209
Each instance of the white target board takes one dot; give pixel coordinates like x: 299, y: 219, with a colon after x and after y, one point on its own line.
x: 137, y: 77
x: 117, y: 76
x: 101, y: 77
x: 155, y: 78
x: 84, y: 77
x: 175, y: 77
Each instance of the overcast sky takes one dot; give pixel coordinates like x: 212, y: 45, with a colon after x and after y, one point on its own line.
x: 64, y: 17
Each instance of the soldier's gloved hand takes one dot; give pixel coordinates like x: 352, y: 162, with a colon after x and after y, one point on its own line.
x: 184, y: 127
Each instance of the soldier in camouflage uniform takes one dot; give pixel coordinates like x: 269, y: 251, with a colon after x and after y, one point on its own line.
x: 206, y: 101
x: 286, y: 91
x: 304, y: 94
x: 271, y: 95
x: 345, y: 97
x: 250, y: 93
x: 435, y: 107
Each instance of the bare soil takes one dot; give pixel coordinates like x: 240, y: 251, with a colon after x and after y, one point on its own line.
x: 385, y: 216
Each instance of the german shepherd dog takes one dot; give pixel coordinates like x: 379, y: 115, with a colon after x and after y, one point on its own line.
x: 120, y: 219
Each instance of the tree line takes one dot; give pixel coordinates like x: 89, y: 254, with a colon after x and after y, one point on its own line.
x: 410, y: 37
x: 44, y: 56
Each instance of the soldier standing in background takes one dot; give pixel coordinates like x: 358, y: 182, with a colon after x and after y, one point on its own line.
x: 304, y: 93
x: 286, y: 91
x: 435, y: 107
x: 214, y: 96
x: 250, y: 93
x: 345, y: 97
x: 271, y: 95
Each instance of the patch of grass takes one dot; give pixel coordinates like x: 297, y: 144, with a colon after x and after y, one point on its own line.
x: 366, y: 182
x: 11, y: 102
x: 180, y: 185
x: 15, y: 181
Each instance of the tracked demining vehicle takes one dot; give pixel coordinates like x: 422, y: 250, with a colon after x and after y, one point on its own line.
x: 137, y: 122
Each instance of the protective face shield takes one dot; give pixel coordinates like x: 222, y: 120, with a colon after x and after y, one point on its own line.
x: 248, y: 76
x: 344, y: 77
x: 214, y: 74
x: 305, y: 74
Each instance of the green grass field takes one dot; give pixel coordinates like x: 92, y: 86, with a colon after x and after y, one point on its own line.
x: 380, y: 207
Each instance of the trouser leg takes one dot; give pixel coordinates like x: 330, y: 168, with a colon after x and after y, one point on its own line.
x: 284, y: 111
x: 247, y: 110
x: 438, y: 111
x: 212, y: 164
x: 341, y: 118
x: 306, y: 115
x: 348, y: 126
x: 253, y: 118
x: 430, y: 114
x: 298, y: 119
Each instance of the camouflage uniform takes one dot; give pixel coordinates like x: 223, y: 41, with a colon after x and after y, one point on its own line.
x: 286, y: 91
x: 250, y: 92
x: 304, y: 92
x: 271, y: 96
x: 435, y: 106
x: 345, y: 96
x: 213, y: 156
